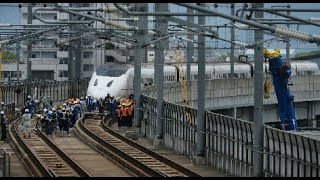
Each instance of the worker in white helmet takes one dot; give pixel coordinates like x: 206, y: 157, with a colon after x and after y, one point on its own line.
x: 26, y: 123
x: 3, y: 127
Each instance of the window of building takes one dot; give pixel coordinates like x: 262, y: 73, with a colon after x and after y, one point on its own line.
x: 33, y: 56
x: 195, y: 77
x: 208, y: 76
x: 63, y: 61
x: 63, y: 73
x: 55, y: 17
x: 88, y: 54
x: 88, y: 67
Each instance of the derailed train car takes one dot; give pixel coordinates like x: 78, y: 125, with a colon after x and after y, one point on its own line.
x: 118, y: 79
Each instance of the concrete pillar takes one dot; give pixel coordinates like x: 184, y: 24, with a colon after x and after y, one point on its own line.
x: 258, y: 99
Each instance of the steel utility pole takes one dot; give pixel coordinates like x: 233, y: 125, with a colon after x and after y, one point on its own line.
x: 162, y: 26
x: 258, y: 99
x: 29, y: 43
x: 18, y: 59
x: 201, y: 113
x: 0, y: 73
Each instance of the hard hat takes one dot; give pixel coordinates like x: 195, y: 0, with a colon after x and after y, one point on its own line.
x: 63, y: 109
x: 53, y: 109
x: 45, y: 110
x: 123, y: 104
x: 64, y: 104
x: 67, y: 109
x: 26, y: 110
x: 50, y: 112
x: 81, y: 97
x: 29, y: 96
x: 2, y: 103
x: 2, y: 112
x: 89, y: 95
x: 38, y: 116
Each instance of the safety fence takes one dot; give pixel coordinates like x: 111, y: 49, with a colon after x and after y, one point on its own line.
x: 229, y: 142
x: 58, y: 91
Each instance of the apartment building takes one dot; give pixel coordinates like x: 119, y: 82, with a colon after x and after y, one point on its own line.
x: 49, y: 62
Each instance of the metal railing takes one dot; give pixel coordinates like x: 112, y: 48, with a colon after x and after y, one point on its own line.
x: 229, y: 142
x: 58, y: 90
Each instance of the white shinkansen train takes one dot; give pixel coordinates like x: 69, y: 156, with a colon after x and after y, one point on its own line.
x: 117, y: 79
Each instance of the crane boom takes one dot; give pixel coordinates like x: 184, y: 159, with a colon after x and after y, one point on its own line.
x: 280, y: 75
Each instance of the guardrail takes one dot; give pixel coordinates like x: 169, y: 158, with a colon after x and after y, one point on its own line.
x: 229, y: 142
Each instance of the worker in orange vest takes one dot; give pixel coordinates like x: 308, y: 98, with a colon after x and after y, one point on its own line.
x: 118, y: 115
x: 125, y: 114
x: 130, y: 114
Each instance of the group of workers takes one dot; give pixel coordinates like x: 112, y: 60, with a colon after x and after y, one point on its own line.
x: 121, y: 108
x: 51, y: 118
x: 59, y: 119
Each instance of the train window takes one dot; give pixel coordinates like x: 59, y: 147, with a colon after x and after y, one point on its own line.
x: 109, y: 83
x: 111, y: 70
x: 310, y: 72
x: 148, y: 80
x: 208, y: 76
x: 224, y: 75
x: 95, y: 82
x: 195, y: 76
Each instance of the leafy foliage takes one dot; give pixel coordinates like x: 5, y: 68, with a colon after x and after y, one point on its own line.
x: 301, y: 54
x: 8, y: 57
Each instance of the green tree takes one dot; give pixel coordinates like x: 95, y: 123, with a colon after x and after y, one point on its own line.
x: 301, y: 54
x: 8, y: 57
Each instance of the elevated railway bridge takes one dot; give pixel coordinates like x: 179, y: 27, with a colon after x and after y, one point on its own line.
x: 228, y: 138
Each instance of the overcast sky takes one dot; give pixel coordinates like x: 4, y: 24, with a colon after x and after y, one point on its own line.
x: 10, y: 14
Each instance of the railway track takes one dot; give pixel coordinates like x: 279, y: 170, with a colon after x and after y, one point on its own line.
x: 140, y: 160
x: 43, y: 157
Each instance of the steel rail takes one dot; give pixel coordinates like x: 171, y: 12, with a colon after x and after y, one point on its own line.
x: 107, y: 123
x: 134, y: 165
x: 74, y: 165
x: 34, y: 163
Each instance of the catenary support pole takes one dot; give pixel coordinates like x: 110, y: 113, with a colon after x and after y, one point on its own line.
x: 162, y: 26
x: 201, y: 118
x: 18, y: 60
x: 29, y: 43
x: 258, y: 99
x: 232, y: 32
x: 288, y: 43
x: 190, y: 46
x: 140, y: 36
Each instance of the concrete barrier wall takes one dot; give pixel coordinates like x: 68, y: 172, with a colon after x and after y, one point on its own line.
x: 226, y: 93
